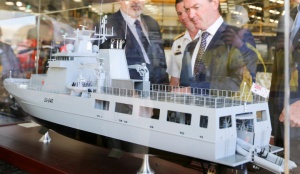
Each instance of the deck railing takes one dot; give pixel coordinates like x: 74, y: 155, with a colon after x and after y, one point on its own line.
x: 211, y: 98
x: 199, y: 97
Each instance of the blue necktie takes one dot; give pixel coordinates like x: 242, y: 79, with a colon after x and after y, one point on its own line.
x: 186, y: 76
x: 199, y: 65
x: 141, y: 34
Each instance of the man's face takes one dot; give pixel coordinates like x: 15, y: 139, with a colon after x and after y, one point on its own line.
x: 133, y: 8
x: 201, y: 12
x: 297, y: 1
x: 182, y: 16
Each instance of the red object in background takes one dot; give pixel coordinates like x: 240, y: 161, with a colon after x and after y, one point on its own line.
x: 63, y: 48
x: 26, y: 53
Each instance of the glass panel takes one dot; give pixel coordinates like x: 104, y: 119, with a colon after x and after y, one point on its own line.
x: 16, y: 52
x: 250, y: 50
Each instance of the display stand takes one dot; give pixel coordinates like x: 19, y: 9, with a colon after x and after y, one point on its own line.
x: 145, y: 168
x: 21, y: 147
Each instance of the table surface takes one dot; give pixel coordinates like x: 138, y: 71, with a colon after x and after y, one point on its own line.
x: 20, y: 146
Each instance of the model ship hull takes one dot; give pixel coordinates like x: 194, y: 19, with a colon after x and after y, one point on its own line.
x: 211, y: 143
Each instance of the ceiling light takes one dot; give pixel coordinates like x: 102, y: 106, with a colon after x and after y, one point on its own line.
x: 22, y: 8
x: 9, y: 3
x: 19, y: 3
x: 280, y: 2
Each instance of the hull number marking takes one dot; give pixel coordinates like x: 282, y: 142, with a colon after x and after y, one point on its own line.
x: 48, y: 100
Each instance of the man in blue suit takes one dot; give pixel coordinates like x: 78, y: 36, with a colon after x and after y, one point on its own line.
x: 219, y: 58
x: 276, y: 99
x: 146, y: 49
x: 143, y: 45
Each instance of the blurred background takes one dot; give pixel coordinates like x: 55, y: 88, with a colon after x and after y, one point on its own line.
x: 34, y: 29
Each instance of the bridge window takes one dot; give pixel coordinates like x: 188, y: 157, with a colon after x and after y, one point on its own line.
x: 102, y: 105
x: 124, y: 108
x: 261, y: 116
x: 203, y: 121
x: 149, y: 112
x: 225, y: 122
x: 179, y: 117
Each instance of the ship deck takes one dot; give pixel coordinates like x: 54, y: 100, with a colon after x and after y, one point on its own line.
x: 210, y: 98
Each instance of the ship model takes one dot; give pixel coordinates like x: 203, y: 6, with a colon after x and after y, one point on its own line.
x: 89, y: 89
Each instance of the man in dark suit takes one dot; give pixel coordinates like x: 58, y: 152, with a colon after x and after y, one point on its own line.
x: 143, y: 45
x: 147, y: 48
x: 276, y: 99
x: 227, y: 50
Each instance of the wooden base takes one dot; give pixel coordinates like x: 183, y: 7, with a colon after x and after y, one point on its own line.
x: 20, y: 147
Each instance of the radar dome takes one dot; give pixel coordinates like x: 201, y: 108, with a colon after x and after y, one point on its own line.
x: 69, y: 48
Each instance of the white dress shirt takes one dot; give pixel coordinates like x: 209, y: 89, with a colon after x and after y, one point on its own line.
x: 130, y: 23
x: 212, y: 31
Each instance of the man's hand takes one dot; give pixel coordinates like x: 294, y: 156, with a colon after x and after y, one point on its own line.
x: 186, y: 90
x: 294, y: 115
x: 174, y: 81
x: 233, y: 37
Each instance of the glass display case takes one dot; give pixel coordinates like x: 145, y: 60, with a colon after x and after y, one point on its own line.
x: 143, y: 78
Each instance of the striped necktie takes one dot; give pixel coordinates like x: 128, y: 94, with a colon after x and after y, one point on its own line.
x: 199, y: 65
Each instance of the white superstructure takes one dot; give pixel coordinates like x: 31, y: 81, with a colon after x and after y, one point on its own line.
x: 90, y: 89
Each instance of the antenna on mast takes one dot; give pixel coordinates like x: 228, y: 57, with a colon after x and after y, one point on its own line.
x: 101, y: 13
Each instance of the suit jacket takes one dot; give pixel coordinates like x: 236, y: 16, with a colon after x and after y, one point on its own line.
x: 224, y: 63
x: 134, y: 55
x: 276, y: 99
x: 277, y: 86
